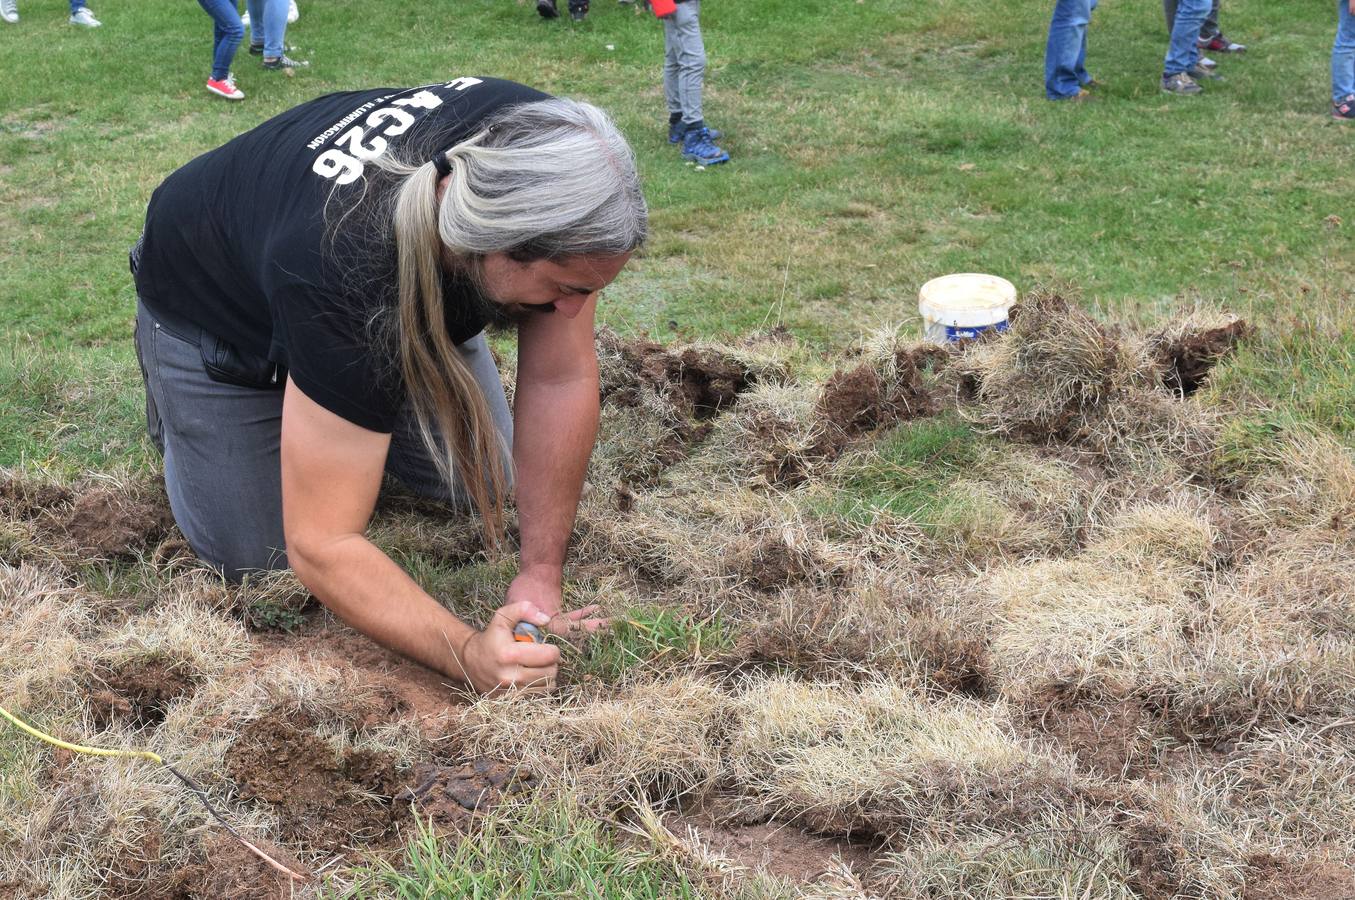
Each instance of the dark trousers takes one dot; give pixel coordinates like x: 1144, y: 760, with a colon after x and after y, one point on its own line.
x: 222, y: 446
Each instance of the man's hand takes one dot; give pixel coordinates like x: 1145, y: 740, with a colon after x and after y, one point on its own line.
x: 544, y: 593
x: 494, y: 661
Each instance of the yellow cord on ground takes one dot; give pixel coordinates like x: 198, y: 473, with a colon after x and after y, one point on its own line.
x: 76, y: 748
x: 155, y: 758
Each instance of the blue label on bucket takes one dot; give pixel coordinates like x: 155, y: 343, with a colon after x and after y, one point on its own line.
x: 961, y: 332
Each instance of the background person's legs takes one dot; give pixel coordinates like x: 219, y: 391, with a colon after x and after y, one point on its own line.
x: 686, y: 54
x: 1210, y: 29
x: 274, y: 27
x: 409, y: 460
x: 1183, y: 51
x: 221, y: 451
x: 1065, y: 50
x: 226, y: 35
x: 1343, y: 54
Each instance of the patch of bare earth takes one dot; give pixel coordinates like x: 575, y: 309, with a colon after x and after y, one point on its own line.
x: 402, y: 689
x: 1276, y: 878
x: 1187, y: 356
x: 138, y: 692
x: 776, y: 848
x: 108, y: 523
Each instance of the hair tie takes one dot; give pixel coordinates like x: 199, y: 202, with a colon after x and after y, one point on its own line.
x: 440, y: 163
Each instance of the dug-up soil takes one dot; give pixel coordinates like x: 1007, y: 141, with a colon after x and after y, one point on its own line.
x: 1087, y: 673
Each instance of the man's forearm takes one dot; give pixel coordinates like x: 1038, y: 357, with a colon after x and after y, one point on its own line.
x: 366, y: 589
x: 555, y: 425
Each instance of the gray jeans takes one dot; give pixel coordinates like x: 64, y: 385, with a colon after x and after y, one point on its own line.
x: 221, y: 446
x: 1208, y: 31
x: 684, y: 61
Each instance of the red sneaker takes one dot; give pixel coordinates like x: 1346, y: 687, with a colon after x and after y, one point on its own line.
x: 225, y: 88
x: 1220, y: 44
x: 1344, y: 108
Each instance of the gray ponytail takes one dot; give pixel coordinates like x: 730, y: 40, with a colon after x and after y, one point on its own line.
x: 544, y: 180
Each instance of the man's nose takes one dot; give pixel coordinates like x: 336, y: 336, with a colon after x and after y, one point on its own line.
x: 571, y: 306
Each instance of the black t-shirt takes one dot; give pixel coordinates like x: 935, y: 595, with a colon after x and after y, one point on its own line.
x: 251, y: 242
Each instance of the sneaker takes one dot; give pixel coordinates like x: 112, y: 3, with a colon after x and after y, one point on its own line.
x: 85, y: 18
x: 677, y: 129
x: 292, y: 12
x: 225, y: 88
x: 1180, y: 83
x: 9, y: 10
x: 547, y: 9
x: 578, y: 14
x: 1207, y: 63
x: 1344, y: 109
x: 697, y: 146
x: 1200, y: 73
x: 285, y: 62
x: 244, y: 18
x: 1220, y: 44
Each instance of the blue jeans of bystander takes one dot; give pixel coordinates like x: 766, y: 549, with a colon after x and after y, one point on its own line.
x: 268, y: 24
x: 1065, y: 54
x: 226, y: 35
x: 1343, y: 53
x: 1183, y: 52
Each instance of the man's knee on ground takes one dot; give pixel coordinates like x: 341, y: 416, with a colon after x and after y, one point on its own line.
x: 238, y: 563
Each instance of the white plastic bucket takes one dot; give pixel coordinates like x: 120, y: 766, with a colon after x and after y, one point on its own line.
x: 965, y: 305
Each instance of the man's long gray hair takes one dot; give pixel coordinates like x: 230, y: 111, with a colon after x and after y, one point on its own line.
x: 545, y: 180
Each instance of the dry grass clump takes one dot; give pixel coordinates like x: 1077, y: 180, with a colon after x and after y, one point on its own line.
x: 1041, y: 858
x: 104, y: 827
x: 767, y: 441
x: 877, y: 758
x: 1119, y: 614
x: 1059, y: 376
x: 43, y: 626
x: 657, y: 740
x: 1291, y: 789
x: 908, y: 627
x: 1015, y: 504
x: 1308, y: 479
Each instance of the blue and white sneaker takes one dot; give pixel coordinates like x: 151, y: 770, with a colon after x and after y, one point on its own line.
x: 677, y: 129
x: 697, y: 146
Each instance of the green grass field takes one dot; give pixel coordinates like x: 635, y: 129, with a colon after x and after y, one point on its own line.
x: 876, y: 144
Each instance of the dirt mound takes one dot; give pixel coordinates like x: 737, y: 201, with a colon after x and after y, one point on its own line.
x: 451, y: 795
x: 108, y: 523
x: 1188, y: 354
x: 858, y: 400
x: 854, y: 401
x: 322, y: 797
x: 138, y: 692
x: 698, y: 382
